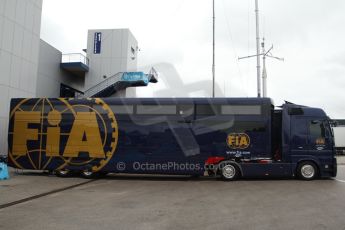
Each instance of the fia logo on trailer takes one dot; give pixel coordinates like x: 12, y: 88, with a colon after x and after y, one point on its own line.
x: 238, y: 141
x: 52, y: 133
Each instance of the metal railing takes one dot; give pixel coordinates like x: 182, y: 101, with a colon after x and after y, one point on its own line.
x: 118, y: 77
x: 74, y: 57
x: 101, y: 86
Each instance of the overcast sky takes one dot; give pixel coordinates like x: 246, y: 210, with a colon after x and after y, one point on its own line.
x: 175, y: 36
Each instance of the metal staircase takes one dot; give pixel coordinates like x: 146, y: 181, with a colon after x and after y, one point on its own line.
x: 118, y: 82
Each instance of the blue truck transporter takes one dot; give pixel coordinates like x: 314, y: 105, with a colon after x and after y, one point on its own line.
x: 230, y: 137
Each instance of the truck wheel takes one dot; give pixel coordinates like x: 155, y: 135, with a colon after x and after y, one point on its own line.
x: 63, y: 173
x: 229, y: 172
x: 307, y: 171
x: 88, y: 174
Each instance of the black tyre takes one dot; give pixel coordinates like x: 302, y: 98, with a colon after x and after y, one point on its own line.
x: 62, y: 173
x: 229, y: 172
x: 88, y: 174
x: 307, y: 170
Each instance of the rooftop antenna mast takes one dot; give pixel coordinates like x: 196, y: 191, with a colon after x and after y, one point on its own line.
x: 264, y: 54
x: 264, y: 73
x: 258, y: 67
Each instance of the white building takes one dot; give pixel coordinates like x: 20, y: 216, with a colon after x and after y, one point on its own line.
x: 20, y: 24
x: 118, y: 52
x: 30, y: 67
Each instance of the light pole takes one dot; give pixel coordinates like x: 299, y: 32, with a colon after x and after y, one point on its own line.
x: 214, y: 47
x: 257, y: 55
x: 257, y: 48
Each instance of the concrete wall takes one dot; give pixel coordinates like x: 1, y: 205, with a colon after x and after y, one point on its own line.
x: 132, y: 57
x: 116, y: 55
x: 20, y: 23
x: 131, y: 92
x: 50, y: 75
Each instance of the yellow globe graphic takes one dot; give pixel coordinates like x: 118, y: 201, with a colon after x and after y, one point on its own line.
x: 60, y: 113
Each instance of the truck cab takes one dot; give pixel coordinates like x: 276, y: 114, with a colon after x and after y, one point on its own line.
x: 307, y: 141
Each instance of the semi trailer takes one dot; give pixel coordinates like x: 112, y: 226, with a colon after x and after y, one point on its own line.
x: 227, y: 137
x: 339, y: 136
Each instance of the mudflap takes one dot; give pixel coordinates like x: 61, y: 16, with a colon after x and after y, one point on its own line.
x: 335, y: 167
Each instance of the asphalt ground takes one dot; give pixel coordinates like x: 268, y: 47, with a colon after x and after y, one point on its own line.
x: 31, y: 200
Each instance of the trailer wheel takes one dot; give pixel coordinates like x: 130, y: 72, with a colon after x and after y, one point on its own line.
x: 87, y: 174
x: 307, y: 171
x: 229, y: 172
x: 62, y: 173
